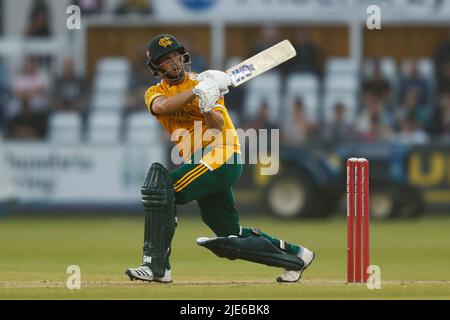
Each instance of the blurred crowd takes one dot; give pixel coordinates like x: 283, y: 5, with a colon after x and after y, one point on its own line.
x: 414, y: 110
x: 40, y: 13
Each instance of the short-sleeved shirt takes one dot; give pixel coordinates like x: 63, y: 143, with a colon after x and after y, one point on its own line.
x: 188, y: 129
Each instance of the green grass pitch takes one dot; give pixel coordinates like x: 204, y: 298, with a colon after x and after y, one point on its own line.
x: 35, y: 252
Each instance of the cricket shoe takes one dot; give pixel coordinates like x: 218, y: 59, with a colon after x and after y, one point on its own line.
x: 144, y: 273
x: 294, y: 276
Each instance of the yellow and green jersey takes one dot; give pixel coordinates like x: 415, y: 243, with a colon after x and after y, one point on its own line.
x: 189, y: 127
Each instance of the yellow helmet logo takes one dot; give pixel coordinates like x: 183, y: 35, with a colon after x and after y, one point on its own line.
x: 165, y: 42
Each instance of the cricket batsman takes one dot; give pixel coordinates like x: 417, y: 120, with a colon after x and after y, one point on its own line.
x: 185, y: 104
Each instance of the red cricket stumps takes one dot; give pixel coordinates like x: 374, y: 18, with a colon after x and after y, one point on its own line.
x: 358, y: 224
x: 365, y: 212
x: 350, y: 215
x: 357, y: 220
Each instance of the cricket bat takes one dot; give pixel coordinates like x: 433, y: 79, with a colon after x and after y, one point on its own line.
x: 261, y: 62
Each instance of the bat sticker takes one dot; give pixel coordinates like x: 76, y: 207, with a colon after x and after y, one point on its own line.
x: 241, y: 73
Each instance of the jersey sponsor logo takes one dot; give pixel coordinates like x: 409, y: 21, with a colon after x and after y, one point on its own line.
x: 244, y: 71
x: 182, y: 114
x: 198, y: 5
x: 165, y: 42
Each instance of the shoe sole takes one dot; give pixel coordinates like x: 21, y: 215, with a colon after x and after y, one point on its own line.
x: 133, y: 278
x: 280, y: 280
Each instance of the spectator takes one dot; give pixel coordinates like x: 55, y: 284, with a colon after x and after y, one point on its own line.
x: 262, y: 119
x: 2, y: 119
x: 374, y: 118
x: 442, y: 64
x: 69, y: 89
x: 234, y: 100
x: 377, y: 130
x: 4, y: 94
x: 262, y: 122
x: 235, y: 104
x: 338, y: 131
x: 89, y: 7
x: 308, y: 58
x: 32, y: 86
x: 441, y: 123
x: 27, y: 124
x: 134, y: 6
x: 415, y: 82
x: 298, y: 127
x: 411, y: 107
x: 378, y: 85
x: 39, y: 20
x: 410, y: 132
x: 4, y: 78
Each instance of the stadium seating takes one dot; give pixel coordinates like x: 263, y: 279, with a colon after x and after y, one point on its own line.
x: 106, y: 83
x: 140, y: 127
x: 425, y: 67
x: 65, y: 127
x: 341, y: 66
x: 107, y: 102
x: 388, y: 69
x: 305, y: 87
x: 104, y: 128
x: 265, y: 88
x: 348, y: 99
x: 110, y: 84
x: 119, y: 66
x: 341, y: 83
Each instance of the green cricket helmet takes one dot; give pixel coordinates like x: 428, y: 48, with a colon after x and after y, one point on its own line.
x: 162, y: 45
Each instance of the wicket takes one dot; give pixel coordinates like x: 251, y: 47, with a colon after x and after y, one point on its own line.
x: 357, y: 220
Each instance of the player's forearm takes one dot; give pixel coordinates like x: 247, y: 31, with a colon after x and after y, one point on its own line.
x: 164, y: 105
x: 214, y: 120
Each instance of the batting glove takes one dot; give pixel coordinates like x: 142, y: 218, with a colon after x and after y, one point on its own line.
x: 221, y: 78
x: 208, y: 93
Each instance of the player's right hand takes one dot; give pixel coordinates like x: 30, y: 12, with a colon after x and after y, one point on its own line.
x: 208, y: 93
x: 221, y: 78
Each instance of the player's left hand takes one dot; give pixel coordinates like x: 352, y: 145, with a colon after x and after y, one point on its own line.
x: 222, y: 79
x: 208, y: 93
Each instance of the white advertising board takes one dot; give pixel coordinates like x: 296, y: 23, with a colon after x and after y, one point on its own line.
x: 81, y: 174
x: 257, y: 10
